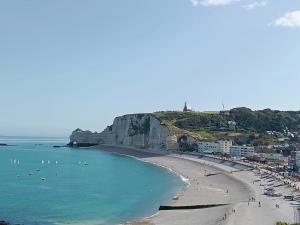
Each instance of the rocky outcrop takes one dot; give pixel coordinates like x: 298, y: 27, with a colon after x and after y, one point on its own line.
x: 138, y: 130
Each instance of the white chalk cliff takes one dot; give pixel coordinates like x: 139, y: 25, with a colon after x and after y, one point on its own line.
x: 137, y: 130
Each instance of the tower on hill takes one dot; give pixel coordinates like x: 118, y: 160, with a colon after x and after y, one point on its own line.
x: 187, y: 108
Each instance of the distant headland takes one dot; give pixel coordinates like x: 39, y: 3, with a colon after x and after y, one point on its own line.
x: 181, y: 130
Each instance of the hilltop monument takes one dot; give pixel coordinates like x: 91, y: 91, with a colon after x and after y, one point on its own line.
x: 187, y: 108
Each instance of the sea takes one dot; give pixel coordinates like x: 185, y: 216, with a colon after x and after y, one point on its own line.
x: 43, y: 185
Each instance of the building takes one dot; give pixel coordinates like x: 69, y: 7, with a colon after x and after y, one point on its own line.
x: 224, y: 112
x: 225, y: 146
x: 295, y: 161
x: 231, y: 125
x: 241, y: 151
x: 187, y: 108
x: 216, y: 147
x: 272, y: 156
x: 208, y: 147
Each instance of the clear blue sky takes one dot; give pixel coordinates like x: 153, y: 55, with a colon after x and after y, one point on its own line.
x: 68, y: 63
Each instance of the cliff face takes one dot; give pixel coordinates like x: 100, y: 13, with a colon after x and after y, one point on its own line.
x: 138, y: 130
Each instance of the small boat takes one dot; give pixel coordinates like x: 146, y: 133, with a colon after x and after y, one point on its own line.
x: 43, y: 178
x: 30, y: 173
x: 175, y: 198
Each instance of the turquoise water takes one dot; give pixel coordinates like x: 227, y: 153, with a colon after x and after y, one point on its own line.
x: 63, y: 190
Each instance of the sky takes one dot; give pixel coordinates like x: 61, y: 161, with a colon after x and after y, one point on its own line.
x: 66, y: 64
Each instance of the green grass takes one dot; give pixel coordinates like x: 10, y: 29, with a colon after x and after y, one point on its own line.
x: 214, y: 126
x: 285, y: 223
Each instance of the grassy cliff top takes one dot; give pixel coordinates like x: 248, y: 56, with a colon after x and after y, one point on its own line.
x: 234, y: 123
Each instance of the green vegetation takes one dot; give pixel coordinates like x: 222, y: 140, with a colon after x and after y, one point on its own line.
x: 285, y: 223
x: 265, y: 120
x: 242, y: 124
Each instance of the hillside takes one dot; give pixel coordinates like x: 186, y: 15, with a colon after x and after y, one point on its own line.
x: 241, y: 124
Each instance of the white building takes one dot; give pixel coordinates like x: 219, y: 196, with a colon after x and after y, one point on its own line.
x: 225, y: 146
x: 241, y: 151
x: 208, y: 147
x: 273, y: 156
x: 222, y: 146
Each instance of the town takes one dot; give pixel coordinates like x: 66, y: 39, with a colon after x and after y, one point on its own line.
x: 281, y: 159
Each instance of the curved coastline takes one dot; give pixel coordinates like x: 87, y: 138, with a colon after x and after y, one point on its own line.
x: 180, y: 176
x: 233, y: 189
x: 159, y: 217
x: 184, y: 179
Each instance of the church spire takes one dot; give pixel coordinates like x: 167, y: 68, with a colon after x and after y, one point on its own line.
x: 186, y: 108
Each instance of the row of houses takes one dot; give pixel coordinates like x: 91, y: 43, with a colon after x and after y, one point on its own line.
x: 225, y: 147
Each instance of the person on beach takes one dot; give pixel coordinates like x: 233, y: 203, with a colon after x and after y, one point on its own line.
x: 259, y: 204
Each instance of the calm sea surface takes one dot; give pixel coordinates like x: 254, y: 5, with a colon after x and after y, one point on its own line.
x: 42, y: 185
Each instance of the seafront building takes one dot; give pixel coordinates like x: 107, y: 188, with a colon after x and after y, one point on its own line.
x: 295, y: 161
x: 221, y: 147
x: 272, y: 156
x: 241, y: 151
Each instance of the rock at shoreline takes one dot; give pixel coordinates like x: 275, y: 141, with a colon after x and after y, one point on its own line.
x: 59, y: 146
x: 2, y: 222
x: 5, y: 145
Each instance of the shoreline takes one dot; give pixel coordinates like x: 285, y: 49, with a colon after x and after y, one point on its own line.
x: 234, y: 189
x: 157, y: 218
